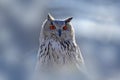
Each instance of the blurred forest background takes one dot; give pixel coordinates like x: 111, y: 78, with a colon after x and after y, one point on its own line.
x: 97, y: 27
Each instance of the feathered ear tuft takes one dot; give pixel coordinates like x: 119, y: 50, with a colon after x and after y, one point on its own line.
x: 50, y: 18
x: 68, y: 19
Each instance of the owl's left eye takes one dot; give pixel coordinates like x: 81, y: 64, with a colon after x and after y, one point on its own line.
x: 52, y: 27
x: 65, y: 28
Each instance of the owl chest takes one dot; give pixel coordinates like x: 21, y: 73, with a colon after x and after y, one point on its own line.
x: 57, y: 53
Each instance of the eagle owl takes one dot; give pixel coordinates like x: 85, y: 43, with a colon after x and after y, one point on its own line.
x: 58, y: 49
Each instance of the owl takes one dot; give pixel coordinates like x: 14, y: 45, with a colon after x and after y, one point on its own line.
x: 58, y: 50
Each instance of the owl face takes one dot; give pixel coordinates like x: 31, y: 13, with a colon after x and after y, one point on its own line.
x: 58, y: 29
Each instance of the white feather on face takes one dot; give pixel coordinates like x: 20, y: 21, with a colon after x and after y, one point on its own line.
x: 61, y: 29
x: 58, y: 47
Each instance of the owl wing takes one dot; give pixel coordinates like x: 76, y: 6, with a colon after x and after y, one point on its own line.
x: 81, y: 65
x: 80, y: 62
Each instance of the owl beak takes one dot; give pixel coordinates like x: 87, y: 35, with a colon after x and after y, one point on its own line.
x: 59, y: 32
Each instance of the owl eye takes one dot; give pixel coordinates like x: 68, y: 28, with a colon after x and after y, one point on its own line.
x: 52, y: 27
x: 65, y: 28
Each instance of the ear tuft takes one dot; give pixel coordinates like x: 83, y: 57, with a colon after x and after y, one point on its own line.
x: 68, y: 19
x: 50, y: 18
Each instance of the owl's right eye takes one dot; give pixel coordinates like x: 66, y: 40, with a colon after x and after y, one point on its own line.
x: 65, y: 28
x: 52, y: 27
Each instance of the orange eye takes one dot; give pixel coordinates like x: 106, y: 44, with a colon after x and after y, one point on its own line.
x: 52, y: 27
x: 65, y: 28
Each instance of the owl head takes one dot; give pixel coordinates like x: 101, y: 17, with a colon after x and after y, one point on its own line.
x: 58, y: 29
